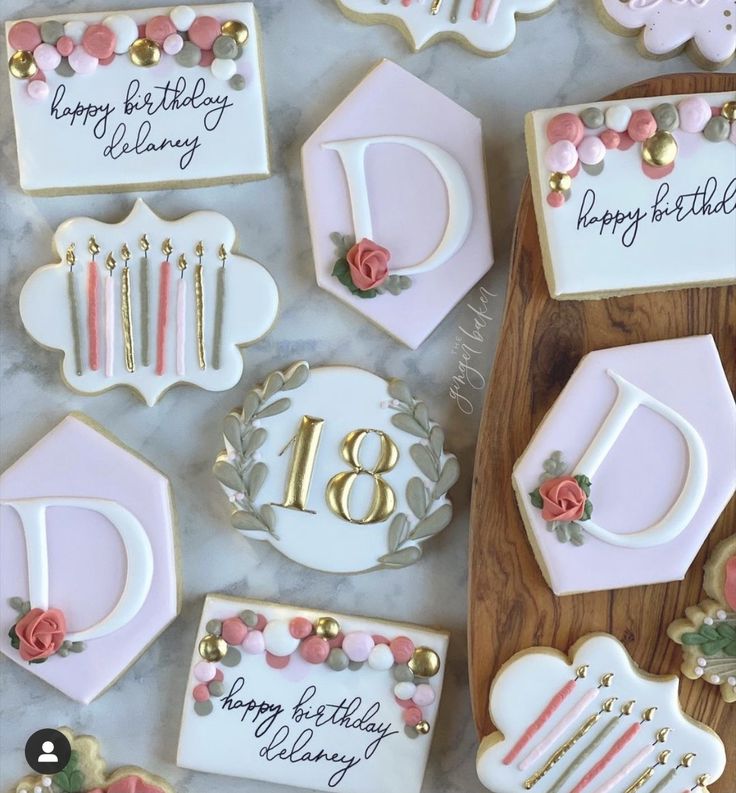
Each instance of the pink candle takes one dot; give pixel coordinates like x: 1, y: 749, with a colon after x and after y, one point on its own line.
x: 163, y: 309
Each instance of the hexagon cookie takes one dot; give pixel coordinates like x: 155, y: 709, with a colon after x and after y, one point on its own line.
x: 398, y: 203
x: 630, y: 469
x: 88, y: 562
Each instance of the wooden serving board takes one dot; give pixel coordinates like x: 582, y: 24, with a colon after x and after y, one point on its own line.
x: 542, y: 341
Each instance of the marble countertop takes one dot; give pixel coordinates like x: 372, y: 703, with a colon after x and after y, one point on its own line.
x: 313, y: 57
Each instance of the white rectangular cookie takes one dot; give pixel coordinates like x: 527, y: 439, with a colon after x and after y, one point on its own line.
x: 125, y: 127
x: 634, y: 226
x: 316, y: 723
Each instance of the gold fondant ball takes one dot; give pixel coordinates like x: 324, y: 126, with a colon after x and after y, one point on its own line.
x: 422, y: 728
x: 327, y: 627
x: 212, y: 648
x: 235, y: 30
x: 728, y: 111
x: 560, y: 181
x: 144, y: 52
x: 424, y: 662
x: 22, y: 65
x: 660, y: 149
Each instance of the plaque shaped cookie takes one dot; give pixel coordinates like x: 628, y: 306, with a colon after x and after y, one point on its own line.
x: 631, y: 467
x: 708, y: 633
x: 337, y: 468
x: 149, y: 303
x: 705, y: 29
x: 88, y: 558
x: 636, y: 195
x: 152, y: 98
x: 594, y: 722
x: 86, y: 772
x: 398, y: 205
x: 321, y: 701
x: 485, y: 27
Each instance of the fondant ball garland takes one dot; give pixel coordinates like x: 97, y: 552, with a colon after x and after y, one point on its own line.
x: 75, y: 47
x: 620, y: 128
x: 322, y: 642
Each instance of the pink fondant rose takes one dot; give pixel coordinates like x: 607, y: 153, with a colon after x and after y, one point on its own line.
x: 368, y: 264
x: 129, y: 784
x: 40, y: 633
x: 563, y: 499
x: 730, y: 587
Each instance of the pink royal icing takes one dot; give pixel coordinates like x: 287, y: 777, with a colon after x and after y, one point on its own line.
x: 729, y: 590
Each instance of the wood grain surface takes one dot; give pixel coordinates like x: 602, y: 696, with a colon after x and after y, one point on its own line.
x: 542, y: 341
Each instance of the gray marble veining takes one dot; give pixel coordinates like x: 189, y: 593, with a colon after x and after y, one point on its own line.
x: 313, y: 57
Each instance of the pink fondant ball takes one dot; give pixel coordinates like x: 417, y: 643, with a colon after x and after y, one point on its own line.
x: 203, y: 32
x: 99, y: 41
x: 357, y: 646
x: 694, y: 114
x: 561, y: 156
x: 625, y: 141
x: 565, y: 126
x: 173, y: 44
x: 206, y: 57
x: 337, y: 641
x: 24, y: 36
x: 65, y: 45
x: 610, y: 138
x: 642, y: 125
x: 591, y: 150
x: 314, y: 650
x: 254, y: 643
x: 47, y: 57
x: 300, y: 627
x: 412, y: 717
x: 261, y: 622
x: 205, y: 671
x: 37, y: 89
x: 380, y: 639
x: 219, y: 676
x: 403, y: 648
x: 234, y: 630
x: 159, y: 28
x: 201, y: 693
x: 107, y: 61
x: 81, y: 61
x: 424, y: 695
x: 277, y: 661
x: 555, y: 199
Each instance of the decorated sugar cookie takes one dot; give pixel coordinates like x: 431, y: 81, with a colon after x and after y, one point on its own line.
x: 398, y: 204
x: 593, y: 723
x: 88, y: 561
x: 486, y: 27
x: 337, y: 468
x: 636, y: 195
x: 158, y: 97
x: 705, y: 29
x: 317, y: 700
x: 149, y: 303
x: 708, y: 633
x: 632, y: 466
x: 86, y: 772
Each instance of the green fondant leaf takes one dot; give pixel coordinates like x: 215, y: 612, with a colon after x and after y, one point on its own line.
x: 421, y: 414
x: 536, y: 499
x: 273, y: 385
x: 693, y: 639
x: 709, y: 631
x: 432, y: 524
x: 16, y: 603
x: 584, y: 483
x: 404, y: 281
x: 268, y: 516
x: 228, y: 475
x: 399, y: 390
x: 78, y: 647
x: 251, y: 403
x: 256, y: 478
x: 713, y: 647
x: 730, y: 649
x: 576, y: 535
x: 408, y: 424
x: 231, y: 429
x: 561, y: 532
x: 416, y: 497
x: 424, y: 461
x: 38, y: 661
x: 396, y: 531
x: 279, y: 406
x: 402, y: 558
x: 437, y: 440
x: 14, y: 640
x: 76, y: 781
x: 62, y: 780
x: 726, y: 631
x: 368, y: 294
x: 587, y: 510
x: 296, y: 376
x: 450, y: 474
x: 392, y: 285
x: 336, y: 239
x: 341, y: 271
x: 247, y: 521
x: 255, y: 441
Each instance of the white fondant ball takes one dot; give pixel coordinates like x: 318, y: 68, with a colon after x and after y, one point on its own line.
x: 125, y: 30
x: 381, y: 657
x: 405, y: 691
x: 223, y: 68
x: 618, y: 117
x: 278, y: 638
x: 75, y: 30
x: 182, y: 17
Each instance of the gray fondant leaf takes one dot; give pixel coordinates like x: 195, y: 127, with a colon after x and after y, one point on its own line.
x: 396, y: 531
x: 398, y: 389
x: 251, y: 403
x: 279, y: 406
x: 404, y: 281
x: 296, y: 376
x: 273, y: 385
x: 416, y: 497
x: 268, y: 515
x: 437, y: 440
x: 255, y: 441
x: 16, y: 603
x: 231, y: 430
x: 227, y: 475
x: 247, y: 521
x: 256, y: 478
x: 450, y: 474
x: 408, y: 424
x: 424, y: 461
x: 433, y: 523
x: 421, y: 414
x: 402, y: 558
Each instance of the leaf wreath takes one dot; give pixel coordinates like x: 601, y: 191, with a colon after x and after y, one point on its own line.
x: 71, y: 779
x: 713, y: 639
x: 241, y: 472
x: 412, y: 416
